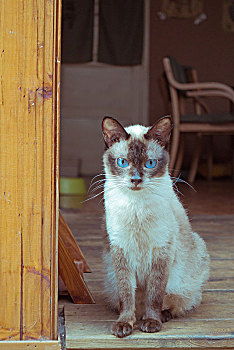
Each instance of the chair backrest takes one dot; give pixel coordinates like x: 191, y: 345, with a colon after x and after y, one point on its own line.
x: 173, y: 71
x: 176, y: 73
x: 179, y: 71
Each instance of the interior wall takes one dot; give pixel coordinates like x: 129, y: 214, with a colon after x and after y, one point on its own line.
x: 90, y: 91
x: 205, y: 46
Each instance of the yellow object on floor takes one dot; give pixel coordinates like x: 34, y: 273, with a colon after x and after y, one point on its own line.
x: 72, y: 192
x: 218, y: 170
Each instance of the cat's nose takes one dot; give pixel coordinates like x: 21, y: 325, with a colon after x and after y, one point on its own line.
x: 136, y: 180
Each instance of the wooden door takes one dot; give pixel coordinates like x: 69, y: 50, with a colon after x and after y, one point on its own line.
x: 29, y: 127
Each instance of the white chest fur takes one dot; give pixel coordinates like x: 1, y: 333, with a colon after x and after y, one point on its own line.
x: 140, y: 223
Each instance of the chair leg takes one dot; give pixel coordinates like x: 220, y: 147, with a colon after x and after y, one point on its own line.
x: 210, y: 157
x: 174, y: 148
x: 196, y: 156
x: 232, y: 145
x: 180, y: 157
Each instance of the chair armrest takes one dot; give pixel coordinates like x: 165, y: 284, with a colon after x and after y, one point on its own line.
x: 202, y: 104
x: 211, y: 93
x: 197, y: 86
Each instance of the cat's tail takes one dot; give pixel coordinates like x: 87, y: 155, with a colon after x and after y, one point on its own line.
x: 179, y: 306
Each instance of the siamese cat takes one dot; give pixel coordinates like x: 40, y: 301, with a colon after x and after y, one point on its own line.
x: 155, y: 264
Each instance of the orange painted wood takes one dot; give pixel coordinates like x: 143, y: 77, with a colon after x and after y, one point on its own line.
x: 71, y: 276
x: 30, y: 345
x: 71, y: 244
x: 29, y: 56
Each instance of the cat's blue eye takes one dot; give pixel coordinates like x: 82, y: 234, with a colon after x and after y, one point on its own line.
x: 122, y: 162
x: 151, y: 163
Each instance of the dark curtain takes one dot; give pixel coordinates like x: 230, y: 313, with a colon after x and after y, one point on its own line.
x: 121, y: 24
x: 77, y: 30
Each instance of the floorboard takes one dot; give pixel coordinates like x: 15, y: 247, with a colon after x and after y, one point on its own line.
x: 210, y: 326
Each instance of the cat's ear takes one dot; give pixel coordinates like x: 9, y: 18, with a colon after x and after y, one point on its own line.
x: 161, y: 131
x: 113, y: 131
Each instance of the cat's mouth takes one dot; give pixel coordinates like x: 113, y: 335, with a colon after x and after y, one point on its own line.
x: 136, y: 188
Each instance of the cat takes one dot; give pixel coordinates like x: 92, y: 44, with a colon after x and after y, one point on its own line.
x: 155, y: 264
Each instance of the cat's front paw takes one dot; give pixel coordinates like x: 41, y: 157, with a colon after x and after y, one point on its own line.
x: 151, y: 326
x: 121, y: 329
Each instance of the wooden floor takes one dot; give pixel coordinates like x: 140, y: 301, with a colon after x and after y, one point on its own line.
x: 211, y: 210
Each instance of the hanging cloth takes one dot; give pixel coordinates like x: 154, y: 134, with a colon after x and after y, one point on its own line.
x: 77, y: 30
x: 121, y: 26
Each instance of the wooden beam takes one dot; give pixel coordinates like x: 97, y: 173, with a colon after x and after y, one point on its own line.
x: 71, y: 244
x: 72, y: 277
x: 30, y: 345
x: 29, y: 56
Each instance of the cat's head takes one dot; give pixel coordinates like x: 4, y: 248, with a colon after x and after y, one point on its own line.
x: 136, y: 156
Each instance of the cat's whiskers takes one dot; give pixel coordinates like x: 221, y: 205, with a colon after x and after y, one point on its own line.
x: 178, y: 179
x: 108, y: 190
x: 156, y: 182
x: 176, y: 189
x: 88, y: 199
x: 155, y: 186
x: 101, y: 174
x: 96, y: 183
x: 97, y: 188
x: 114, y: 186
x: 153, y: 183
x: 106, y: 176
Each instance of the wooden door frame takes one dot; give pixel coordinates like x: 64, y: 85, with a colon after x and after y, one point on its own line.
x: 30, y: 40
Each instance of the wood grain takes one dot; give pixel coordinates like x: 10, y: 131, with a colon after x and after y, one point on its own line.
x: 29, y: 168
x: 70, y: 243
x: 174, y: 334
x: 209, y: 326
x: 30, y: 345
x: 100, y: 313
x: 71, y: 276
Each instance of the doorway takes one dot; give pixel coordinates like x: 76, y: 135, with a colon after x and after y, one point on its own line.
x: 92, y: 90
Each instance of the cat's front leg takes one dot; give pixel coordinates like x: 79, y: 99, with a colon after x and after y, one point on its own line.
x: 155, y: 290
x: 126, y: 284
